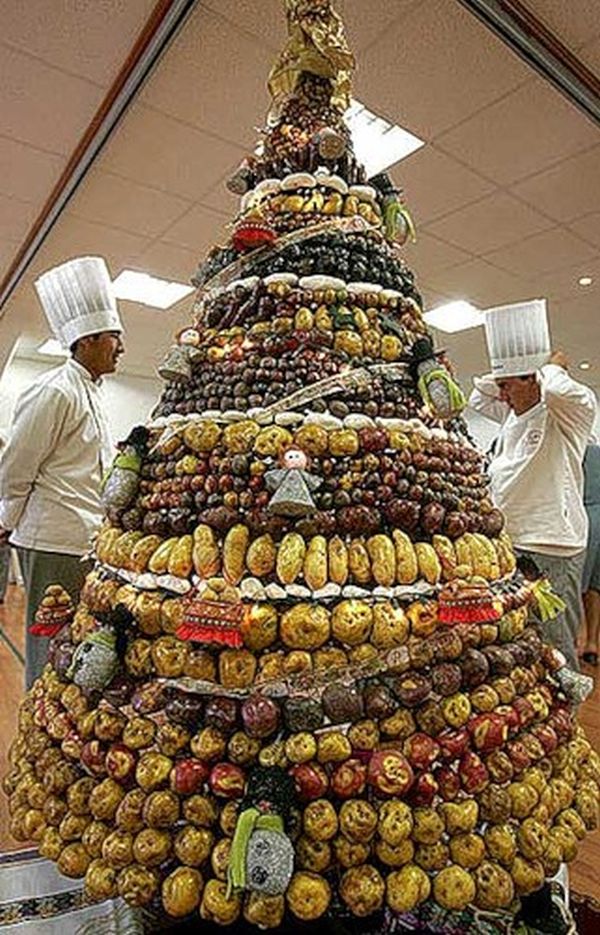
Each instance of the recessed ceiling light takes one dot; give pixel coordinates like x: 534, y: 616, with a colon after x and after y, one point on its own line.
x: 377, y: 143
x: 149, y: 290
x: 586, y: 281
x: 454, y: 316
x: 52, y: 348
x: 584, y: 365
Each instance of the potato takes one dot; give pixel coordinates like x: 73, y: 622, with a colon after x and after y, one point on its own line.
x: 290, y: 557
x: 142, y: 552
x: 337, y: 561
x: 428, y: 562
x: 261, y: 556
x: 383, y: 559
x: 447, y: 556
x: 180, y: 558
x: 315, y: 563
x: 454, y: 888
x: 359, y: 562
x: 406, y: 888
x: 407, y: 567
x: 159, y: 559
x: 234, y: 553
x: 181, y: 891
x: 205, y: 552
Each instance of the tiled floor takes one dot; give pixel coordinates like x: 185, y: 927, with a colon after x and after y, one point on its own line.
x: 584, y: 872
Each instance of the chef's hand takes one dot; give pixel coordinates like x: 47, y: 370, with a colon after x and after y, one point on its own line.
x: 560, y: 359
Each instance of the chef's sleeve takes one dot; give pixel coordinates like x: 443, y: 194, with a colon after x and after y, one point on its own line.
x: 573, y: 405
x: 484, y: 399
x: 37, y: 423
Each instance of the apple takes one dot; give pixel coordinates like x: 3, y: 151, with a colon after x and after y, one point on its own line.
x: 120, y: 762
x: 488, y: 731
x: 518, y: 754
x: 424, y: 789
x: 524, y: 709
x: 473, y: 772
x: 260, y: 716
x: 311, y: 779
x: 448, y: 782
x: 188, y: 776
x: 499, y: 766
x: 511, y: 717
x: 93, y: 756
x: 421, y: 750
x: 453, y: 743
x: 547, y: 736
x: 389, y: 772
x: 227, y: 781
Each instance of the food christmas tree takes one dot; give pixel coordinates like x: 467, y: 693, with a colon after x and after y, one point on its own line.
x: 304, y: 677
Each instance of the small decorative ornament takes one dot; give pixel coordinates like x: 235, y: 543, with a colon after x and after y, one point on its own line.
x: 576, y: 687
x: 293, y: 485
x: 253, y: 231
x: 176, y: 366
x: 440, y: 393
x: 213, y: 622
x: 95, y: 661
x: 54, y: 612
x: 462, y: 602
x: 121, y: 484
x: 269, y: 862
x: 330, y: 143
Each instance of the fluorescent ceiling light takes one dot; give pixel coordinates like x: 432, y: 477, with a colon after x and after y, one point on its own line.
x: 149, y: 290
x: 584, y: 365
x: 377, y: 143
x: 52, y: 348
x: 454, y: 316
x: 586, y: 281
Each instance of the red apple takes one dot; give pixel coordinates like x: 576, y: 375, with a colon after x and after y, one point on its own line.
x: 389, y: 772
x: 349, y: 779
x: 187, y: 776
x: 421, y: 750
x: 511, y: 717
x: 488, y: 731
x: 453, y: 743
x: 547, y: 736
x: 311, y: 779
x: 524, y: 709
x: 93, y: 755
x: 473, y: 773
x: 227, y: 780
x: 424, y: 789
x: 448, y: 782
x: 518, y: 754
x: 120, y: 762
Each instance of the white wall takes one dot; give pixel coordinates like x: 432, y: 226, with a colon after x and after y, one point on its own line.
x: 129, y: 399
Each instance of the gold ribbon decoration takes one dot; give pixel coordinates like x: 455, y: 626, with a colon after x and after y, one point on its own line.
x: 316, y: 44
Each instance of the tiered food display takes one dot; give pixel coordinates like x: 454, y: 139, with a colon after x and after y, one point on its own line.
x: 304, y: 677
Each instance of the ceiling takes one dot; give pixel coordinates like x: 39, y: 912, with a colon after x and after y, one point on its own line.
x: 505, y: 193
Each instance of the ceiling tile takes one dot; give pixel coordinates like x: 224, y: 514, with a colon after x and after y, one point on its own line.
x: 8, y: 249
x: 488, y: 224
x: 454, y: 185
x: 169, y: 261
x: 41, y: 105
x: 26, y: 172
x: 467, y: 351
x: 589, y: 54
x: 197, y: 230
x: 564, y: 283
x: 72, y: 237
x: 429, y: 255
x: 431, y: 297
x: 588, y: 227
x: 542, y: 253
x: 481, y: 283
x: 221, y: 200
x: 16, y: 217
x: 163, y: 153
x: 117, y: 202
x: 435, y: 67
x: 573, y: 22
x: 90, y: 39
x: 206, y: 55
x: 522, y: 134
x: 568, y: 190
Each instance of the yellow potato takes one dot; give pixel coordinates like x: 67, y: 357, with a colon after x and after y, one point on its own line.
x: 407, y: 567
x: 205, y: 552
x: 429, y: 563
x: 180, y: 558
x: 261, y: 556
x: 290, y: 557
x: 234, y: 552
x: 315, y: 563
x: 337, y: 561
x: 383, y: 559
x: 159, y: 560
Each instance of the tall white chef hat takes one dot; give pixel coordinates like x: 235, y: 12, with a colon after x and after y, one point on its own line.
x: 78, y: 299
x: 517, y: 336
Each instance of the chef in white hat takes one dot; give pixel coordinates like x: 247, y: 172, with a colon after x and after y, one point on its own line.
x: 60, y: 445
x: 536, y: 468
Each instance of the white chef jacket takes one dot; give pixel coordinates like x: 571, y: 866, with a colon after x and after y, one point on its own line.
x: 52, y: 467
x: 536, y: 471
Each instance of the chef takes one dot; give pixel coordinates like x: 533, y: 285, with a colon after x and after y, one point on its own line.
x: 60, y: 446
x: 536, y: 468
